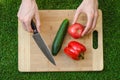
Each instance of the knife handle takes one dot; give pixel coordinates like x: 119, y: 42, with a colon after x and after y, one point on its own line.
x: 34, y: 27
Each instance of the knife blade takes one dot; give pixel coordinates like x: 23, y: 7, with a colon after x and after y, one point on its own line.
x: 41, y: 43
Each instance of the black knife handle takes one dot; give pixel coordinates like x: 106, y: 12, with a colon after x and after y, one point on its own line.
x: 34, y: 27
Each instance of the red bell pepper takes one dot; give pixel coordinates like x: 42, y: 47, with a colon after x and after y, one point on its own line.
x: 75, y: 50
x: 75, y: 30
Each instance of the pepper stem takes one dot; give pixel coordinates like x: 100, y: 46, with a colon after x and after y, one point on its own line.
x: 82, y: 55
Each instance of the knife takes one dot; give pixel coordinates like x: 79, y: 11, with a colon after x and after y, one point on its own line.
x: 41, y: 44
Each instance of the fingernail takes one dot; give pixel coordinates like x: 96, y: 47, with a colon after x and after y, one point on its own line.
x: 38, y: 30
x: 31, y: 31
x: 73, y: 22
x: 89, y: 32
x: 82, y: 35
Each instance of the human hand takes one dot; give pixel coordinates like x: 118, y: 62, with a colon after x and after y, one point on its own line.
x: 90, y: 8
x: 27, y: 11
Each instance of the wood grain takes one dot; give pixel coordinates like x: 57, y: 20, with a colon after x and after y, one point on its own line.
x: 31, y: 58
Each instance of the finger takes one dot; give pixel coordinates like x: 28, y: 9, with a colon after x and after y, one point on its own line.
x: 76, y: 16
x: 28, y: 26
x: 94, y: 23
x: 24, y: 26
x: 22, y: 23
x: 37, y: 18
x: 89, y: 24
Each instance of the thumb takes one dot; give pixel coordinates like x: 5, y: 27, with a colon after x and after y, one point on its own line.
x: 76, y: 16
x: 37, y: 19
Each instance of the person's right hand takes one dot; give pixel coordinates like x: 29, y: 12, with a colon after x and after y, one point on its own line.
x: 27, y: 11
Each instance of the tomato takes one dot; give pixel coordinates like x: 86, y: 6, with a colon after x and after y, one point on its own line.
x: 75, y: 30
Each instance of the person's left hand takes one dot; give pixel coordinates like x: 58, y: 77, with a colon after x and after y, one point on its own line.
x: 90, y: 8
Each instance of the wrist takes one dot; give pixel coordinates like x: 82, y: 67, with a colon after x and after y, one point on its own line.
x: 27, y: 0
x: 90, y: 0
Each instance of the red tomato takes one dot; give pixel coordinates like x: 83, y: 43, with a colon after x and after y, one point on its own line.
x: 76, y: 30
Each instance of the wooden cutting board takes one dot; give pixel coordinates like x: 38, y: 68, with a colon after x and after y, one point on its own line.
x: 31, y: 58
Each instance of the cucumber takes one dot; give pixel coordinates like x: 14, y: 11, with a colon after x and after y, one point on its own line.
x: 59, y: 38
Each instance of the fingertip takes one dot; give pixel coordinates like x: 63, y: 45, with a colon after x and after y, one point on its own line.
x: 88, y: 32
x: 29, y: 30
x: 38, y: 28
x: 73, y: 22
x: 38, y: 25
x: 82, y: 35
x: 84, y: 32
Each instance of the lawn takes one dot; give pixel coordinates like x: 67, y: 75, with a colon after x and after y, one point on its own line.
x: 9, y: 42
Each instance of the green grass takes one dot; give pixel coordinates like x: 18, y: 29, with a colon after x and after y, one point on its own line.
x: 9, y: 42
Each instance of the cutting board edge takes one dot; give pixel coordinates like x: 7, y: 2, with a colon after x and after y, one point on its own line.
x: 98, y: 53
x: 23, y: 54
x: 27, y: 69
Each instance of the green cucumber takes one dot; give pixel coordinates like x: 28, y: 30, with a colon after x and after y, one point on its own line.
x: 59, y: 38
